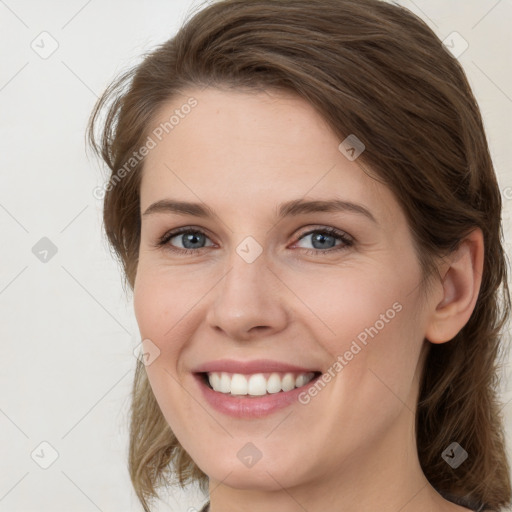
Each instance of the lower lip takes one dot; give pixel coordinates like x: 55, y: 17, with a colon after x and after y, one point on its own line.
x: 250, y: 407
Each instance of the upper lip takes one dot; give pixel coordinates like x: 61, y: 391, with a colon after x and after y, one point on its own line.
x: 250, y: 367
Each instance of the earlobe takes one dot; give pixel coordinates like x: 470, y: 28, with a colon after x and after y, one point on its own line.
x: 460, y: 286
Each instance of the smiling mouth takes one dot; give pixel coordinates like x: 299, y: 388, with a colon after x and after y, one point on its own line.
x: 257, y: 384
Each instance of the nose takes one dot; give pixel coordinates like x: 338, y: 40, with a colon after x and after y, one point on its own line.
x: 249, y: 301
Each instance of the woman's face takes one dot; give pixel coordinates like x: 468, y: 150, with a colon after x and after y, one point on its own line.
x: 255, y: 285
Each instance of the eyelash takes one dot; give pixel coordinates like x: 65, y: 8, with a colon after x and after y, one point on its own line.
x: 163, y: 242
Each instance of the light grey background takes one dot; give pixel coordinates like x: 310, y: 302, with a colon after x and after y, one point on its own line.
x: 68, y: 332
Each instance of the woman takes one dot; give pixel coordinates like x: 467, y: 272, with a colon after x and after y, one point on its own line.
x: 304, y: 204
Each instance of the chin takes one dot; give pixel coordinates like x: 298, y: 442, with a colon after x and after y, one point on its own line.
x: 262, y: 476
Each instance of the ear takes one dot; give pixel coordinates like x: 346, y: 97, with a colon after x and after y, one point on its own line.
x: 461, y: 280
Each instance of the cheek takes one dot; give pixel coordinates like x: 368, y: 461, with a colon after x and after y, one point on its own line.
x: 361, y: 304
x: 159, y: 307
x: 373, y: 365
x: 161, y: 304
x: 370, y: 324
x: 157, y: 311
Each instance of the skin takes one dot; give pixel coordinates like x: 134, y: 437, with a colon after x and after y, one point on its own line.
x: 352, y: 447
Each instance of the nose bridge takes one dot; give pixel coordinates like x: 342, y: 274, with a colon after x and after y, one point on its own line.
x: 248, y: 295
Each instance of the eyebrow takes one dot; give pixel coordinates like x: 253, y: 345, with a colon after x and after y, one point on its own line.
x: 290, y: 208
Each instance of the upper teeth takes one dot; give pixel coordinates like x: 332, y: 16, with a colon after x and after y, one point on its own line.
x: 257, y: 383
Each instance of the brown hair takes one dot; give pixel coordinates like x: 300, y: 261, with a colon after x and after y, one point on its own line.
x: 375, y: 70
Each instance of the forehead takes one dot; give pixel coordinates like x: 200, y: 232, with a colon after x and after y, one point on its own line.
x: 247, y: 149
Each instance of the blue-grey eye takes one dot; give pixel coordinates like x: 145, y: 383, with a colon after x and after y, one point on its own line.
x: 321, y: 239
x: 191, y: 239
